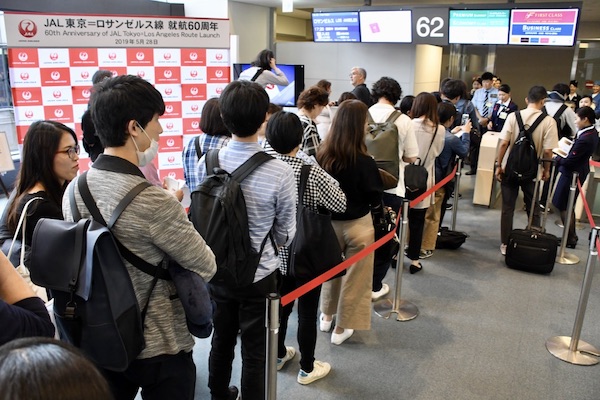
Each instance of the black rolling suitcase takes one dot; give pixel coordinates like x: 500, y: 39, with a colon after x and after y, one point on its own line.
x: 533, y: 250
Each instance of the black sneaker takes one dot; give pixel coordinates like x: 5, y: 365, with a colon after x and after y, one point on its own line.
x: 234, y: 393
x: 449, y: 206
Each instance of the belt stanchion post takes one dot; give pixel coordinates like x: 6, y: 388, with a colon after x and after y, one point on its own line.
x: 571, y: 349
x: 551, y: 190
x: 272, y: 322
x: 404, y: 310
x: 456, y: 194
x: 563, y: 257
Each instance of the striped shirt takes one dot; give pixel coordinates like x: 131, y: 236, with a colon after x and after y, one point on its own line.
x: 190, y: 157
x: 270, y: 195
x: 322, y: 191
x: 310, y: 138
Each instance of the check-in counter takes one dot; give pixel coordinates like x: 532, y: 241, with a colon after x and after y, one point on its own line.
x: 484, y: 179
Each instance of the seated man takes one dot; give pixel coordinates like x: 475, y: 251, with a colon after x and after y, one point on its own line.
x: 125, y: 111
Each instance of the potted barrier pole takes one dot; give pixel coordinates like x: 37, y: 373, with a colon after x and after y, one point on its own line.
x: 404, y: 310
x: 572, y: 349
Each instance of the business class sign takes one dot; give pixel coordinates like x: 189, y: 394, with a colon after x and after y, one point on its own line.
x: 71, y: 30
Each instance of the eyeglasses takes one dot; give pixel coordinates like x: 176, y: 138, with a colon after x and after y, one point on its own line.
x: 72, y: 152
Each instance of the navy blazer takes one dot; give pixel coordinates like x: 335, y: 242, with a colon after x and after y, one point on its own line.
x: 497, y: 122
x: 578, y: 160
x: 579, y: 156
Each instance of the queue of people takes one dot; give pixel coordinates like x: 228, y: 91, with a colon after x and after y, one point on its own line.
x: 344, y: 179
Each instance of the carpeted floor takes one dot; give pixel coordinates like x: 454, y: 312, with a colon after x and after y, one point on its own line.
x: 480, y: 333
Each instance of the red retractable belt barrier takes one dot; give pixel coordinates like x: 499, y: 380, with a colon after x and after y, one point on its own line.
x: 586, y: 207
x: 307, y: 287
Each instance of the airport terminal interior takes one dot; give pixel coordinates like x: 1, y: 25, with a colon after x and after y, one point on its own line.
x: 481, y: 328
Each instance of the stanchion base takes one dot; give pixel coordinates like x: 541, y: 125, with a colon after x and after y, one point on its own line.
x: 585, y: 354
x: 405, y: 310
x: 567, y: 259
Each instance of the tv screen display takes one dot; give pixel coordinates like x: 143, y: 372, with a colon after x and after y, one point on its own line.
x: 549, y: 27
x: 385, y: 26
x: 336, y: 27
x: 478, y: 26
x: 284, y: 96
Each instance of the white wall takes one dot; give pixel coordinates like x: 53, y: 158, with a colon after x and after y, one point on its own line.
x: 333, y: 61
x: 253, y: 26
x: 428, y: 67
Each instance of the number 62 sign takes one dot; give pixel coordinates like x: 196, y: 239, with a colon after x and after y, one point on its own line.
x: 430, y: 26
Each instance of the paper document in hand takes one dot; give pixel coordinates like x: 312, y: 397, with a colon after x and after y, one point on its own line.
x: 564, y: 147
x: 176, y: 184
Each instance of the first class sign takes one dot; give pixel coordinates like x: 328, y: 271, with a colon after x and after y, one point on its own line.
x: 72, y: 30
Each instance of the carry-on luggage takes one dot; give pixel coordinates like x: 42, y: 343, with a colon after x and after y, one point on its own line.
x: 530, y: 249
x: 449, y: 238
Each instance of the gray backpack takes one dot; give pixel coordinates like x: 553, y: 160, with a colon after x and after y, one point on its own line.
x: 382, y: 143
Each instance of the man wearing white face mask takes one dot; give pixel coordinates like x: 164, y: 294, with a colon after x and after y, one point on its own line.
x: 154, y: 226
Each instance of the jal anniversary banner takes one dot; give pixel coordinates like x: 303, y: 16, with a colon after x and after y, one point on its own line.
x: 52, y: 78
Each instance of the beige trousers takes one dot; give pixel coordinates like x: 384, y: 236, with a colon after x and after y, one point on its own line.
x: 432, y: 221
x: 350, y: 296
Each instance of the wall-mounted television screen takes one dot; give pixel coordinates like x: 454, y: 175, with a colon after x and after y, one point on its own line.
x: 539, y: 27
x: 285, y: 96
x: 478, y: 26
x: 336, y: 26
x: 385, y: 26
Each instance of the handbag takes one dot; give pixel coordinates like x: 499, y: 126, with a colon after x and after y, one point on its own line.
x: 17, y: 245
x: 389, y: 180
x: 415, y: 176
x: 415, y: 180
x: 383, y: 223
x: 315, y: 248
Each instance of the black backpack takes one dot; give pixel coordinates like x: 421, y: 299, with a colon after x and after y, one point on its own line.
x: 95, y: 305
x: 522, y: 163
x: 563, y: 131
x: 218, y: 212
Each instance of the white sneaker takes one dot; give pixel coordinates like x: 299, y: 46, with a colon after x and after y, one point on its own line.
x: 290, y: 352
x: 339, y: 338
x: 325, y: 326
x: 503, y: 249
x: 320, y: 370
x: 385, y: 289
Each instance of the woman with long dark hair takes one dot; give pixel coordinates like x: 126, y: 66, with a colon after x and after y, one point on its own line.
x: 343, y: 154
x: 49, y: 161
x: 430, y: 138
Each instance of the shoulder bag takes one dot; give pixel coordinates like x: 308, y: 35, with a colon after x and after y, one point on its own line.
x: 20, y: 245
x: 315, y: 248
x: 415, y: 175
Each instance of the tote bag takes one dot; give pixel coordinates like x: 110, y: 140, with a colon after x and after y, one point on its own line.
x: 315, y: 248
x: 16, y: 243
